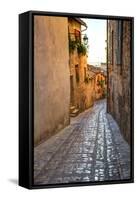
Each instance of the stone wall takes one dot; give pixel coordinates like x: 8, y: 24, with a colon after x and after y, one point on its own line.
x: 51, y: 76
x: 119, y: 69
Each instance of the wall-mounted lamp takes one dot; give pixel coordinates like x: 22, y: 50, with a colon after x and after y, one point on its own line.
x: 85, y: 39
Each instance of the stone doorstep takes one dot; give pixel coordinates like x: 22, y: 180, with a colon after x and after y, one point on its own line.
x: 74, y: 113
x: 72, y: 108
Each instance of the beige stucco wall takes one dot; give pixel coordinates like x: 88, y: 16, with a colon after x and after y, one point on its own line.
x: 51, y: 76
x: 83, y: 94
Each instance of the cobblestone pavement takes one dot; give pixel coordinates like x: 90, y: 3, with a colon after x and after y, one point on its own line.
x: 91, y: 148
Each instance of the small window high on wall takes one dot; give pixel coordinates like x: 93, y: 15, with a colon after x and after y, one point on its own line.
x: 77, y: 35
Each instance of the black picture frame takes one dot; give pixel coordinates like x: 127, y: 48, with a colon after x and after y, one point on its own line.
x: 26, y: 99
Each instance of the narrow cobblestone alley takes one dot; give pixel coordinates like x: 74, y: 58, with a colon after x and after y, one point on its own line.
x: 91, y: 148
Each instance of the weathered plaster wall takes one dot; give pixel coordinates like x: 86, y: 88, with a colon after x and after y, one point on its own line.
x: 83, y: 93
x: 119, y: 77
x: 51, y: 76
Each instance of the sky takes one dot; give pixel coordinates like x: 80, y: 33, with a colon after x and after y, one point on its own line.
x: 96, y: 33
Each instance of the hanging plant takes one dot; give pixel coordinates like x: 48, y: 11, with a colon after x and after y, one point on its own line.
x: 76, y: 44
x: 82, y: 49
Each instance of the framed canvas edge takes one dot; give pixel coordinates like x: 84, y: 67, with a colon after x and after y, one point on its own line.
x: 30, y: 112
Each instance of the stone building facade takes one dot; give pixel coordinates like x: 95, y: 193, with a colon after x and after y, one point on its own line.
x: 100, y: 86
x: 119, y: 73
x: 51, y: 76
x: 100, y: 81
x: 82, y: 95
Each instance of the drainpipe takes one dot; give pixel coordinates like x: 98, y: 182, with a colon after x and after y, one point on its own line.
x: 84, y: 29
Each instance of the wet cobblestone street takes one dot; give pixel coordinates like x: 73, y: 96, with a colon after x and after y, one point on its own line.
x: 91, y: 148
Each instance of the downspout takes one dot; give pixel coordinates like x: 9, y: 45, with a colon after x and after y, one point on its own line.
x: 84, y: 29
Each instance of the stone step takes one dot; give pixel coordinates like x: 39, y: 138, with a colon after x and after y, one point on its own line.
x: 74, y: 113
x: 72, y: 108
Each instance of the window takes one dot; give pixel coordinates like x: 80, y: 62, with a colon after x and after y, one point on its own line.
x: 77, y: 73
x: 84, y: 73
x: 119, y: 42
x: 77, y: 35
x: 110, y: 46
x: 71, y: 90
